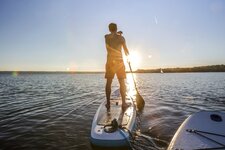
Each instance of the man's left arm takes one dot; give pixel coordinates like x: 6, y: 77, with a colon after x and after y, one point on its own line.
x: 126, y: 51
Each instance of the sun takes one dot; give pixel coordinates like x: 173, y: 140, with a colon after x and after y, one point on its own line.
x: 67, y: 69
x: 135, y: 59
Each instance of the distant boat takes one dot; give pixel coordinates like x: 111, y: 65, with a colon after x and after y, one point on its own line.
x: 161, y: 71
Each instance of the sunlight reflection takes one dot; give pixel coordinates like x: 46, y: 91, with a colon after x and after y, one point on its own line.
x: 129, y: 111
x: 130, y: 85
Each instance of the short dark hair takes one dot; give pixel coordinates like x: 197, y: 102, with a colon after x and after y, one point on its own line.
x: 112, y: 27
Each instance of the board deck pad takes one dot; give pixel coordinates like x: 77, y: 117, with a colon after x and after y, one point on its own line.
x: 114, y: 113
x: 127, y: 119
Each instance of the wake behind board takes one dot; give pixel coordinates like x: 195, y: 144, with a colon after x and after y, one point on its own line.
x: 202, y: 130
x: 100, y: 136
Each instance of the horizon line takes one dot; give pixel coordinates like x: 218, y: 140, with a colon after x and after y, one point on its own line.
x: 97, y: 71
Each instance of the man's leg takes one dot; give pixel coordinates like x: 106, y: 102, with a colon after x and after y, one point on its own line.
x: 123, y: 92
x: 108, y: 91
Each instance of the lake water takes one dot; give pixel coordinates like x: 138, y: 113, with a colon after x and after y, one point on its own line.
x: 55, y: 111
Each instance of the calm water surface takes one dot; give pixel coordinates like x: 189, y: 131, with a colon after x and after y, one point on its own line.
x: 55, y: 111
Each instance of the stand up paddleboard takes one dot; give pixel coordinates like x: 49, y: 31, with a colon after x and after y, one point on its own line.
x: 106, y: 126
x: 202, y: 130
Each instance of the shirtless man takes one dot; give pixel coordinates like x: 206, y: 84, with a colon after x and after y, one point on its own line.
x: 115, y: 65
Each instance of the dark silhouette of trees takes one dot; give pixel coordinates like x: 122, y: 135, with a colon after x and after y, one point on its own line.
x: 213, y: 68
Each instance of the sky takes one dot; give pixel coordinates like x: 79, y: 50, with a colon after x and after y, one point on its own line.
x: 68, y: 35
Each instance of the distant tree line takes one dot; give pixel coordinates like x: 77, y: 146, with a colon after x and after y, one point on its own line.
x: 213, y: 68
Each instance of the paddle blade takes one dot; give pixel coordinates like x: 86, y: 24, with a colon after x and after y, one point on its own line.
x: 140, y: 101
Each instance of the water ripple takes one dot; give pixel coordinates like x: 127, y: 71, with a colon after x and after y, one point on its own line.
x: 55, y: 111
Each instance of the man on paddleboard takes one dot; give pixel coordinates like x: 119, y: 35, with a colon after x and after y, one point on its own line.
x: 114, y: 43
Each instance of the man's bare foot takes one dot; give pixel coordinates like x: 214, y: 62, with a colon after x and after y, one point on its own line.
x: 125, y: 106
x: 107, y: 106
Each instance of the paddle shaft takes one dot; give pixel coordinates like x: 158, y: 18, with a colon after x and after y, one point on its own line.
x: 139, y: 99
x: 133, y: 76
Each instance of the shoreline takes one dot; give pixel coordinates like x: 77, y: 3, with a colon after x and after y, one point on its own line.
x: 198, y: 69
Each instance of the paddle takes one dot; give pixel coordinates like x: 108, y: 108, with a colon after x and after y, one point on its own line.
x: 139, y: 99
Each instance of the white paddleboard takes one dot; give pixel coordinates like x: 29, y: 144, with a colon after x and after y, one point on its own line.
x: 119, y: 138
x: 202, y: 130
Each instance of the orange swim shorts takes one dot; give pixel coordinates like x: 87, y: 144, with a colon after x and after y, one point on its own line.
x: 115, y: 67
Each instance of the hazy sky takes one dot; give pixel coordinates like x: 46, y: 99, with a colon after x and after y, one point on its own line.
x: 69, y: 34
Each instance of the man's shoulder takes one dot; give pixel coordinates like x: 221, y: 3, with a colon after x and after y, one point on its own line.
x: 122, y: 38
x: 107, y: 35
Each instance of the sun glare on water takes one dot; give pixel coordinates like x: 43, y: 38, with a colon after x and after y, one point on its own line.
x: 130, y: 84
x: 135, y: 59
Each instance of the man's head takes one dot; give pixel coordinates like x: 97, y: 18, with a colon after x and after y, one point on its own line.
x: 112, y: 27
